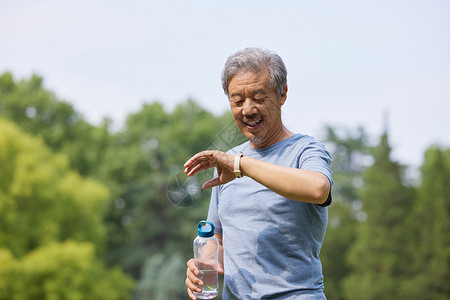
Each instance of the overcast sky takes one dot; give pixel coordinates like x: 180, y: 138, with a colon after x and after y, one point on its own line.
x: 349, y: 62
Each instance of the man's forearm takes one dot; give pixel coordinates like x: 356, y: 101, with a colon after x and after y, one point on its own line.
x: 292, y: 183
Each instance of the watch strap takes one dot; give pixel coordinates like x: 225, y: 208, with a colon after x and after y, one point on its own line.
x: 237, y: 162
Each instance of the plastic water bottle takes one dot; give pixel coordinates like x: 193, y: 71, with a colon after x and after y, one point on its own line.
x: 206, y: 257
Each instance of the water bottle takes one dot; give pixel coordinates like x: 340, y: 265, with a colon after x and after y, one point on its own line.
x: 206, y: 258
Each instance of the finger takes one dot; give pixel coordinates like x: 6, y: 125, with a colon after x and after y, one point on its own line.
x: 193, y: 160
x: 191, y: 294
x: 192, y: 281
x: 211, y: 183
x: 200, y: 167
x: 220, y: 270
x: 191, y: 286
x: 193, y: 278
x: 191, y: 265
x: 199, y: 164
x: 192, y: 268
x: 198, y: 156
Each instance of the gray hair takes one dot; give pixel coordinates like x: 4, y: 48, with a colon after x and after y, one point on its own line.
x: 255, y: 60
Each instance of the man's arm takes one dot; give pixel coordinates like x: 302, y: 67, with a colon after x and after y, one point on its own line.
x: 292, y: 183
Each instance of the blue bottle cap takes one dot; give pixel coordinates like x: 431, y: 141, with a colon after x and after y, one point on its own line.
x: 205, y: 229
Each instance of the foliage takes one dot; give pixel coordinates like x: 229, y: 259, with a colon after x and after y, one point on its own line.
x: 162, y: 278
x: 43, y: 204
x: 349, y: 150
x: 39, y: 112
x: 76, y: 195
x: 42, y: 200
x: 431, y: 227
x: 377, y: 260
x: 40, y: 275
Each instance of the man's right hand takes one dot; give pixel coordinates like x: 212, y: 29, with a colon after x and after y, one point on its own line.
x: 192, y: 281
x: 223, y: 162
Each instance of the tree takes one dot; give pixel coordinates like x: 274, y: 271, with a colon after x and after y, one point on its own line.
x: 68, y: 270
x: 349, y: 151
x: 378, y: 258
x: 43, y: 204
x: 162, y: 278
x: 431, y: 215
x: 38, y: 111
x: 153, y: 207
x: 42, y: 200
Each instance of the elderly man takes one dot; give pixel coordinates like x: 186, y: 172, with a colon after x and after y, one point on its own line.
x: 270, y: 195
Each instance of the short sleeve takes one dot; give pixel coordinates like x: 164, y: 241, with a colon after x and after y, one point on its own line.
x: 315, y: 157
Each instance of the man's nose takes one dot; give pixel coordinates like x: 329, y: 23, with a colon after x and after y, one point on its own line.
x: 249, y: 107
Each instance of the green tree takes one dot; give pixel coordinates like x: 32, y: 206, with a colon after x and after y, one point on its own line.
x: 9, y: 265
x: 431, y: 220
x: 378, y: 257
x: 68, y: 270
x: 349, y: 149
x: 42, y: 200
x: 162, y: 278
x: 152, y: 207
x: 38, y: 111
x: 44, y: 203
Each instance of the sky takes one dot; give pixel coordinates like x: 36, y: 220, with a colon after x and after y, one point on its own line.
x: 373, y: 64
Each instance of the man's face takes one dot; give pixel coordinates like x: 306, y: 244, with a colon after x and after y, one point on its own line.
x: 255, y: 107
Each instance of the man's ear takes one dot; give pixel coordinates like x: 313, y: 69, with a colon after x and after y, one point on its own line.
x: 283, y: 95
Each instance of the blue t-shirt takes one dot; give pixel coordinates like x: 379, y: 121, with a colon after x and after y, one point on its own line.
x: 272, y: 243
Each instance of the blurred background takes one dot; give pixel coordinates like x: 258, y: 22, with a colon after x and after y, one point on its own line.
x: 102, y: 102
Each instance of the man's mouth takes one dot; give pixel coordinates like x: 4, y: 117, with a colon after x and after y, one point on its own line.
x: 252, y: 124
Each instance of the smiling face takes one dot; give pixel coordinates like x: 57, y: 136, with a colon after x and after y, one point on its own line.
x: 256, y: 108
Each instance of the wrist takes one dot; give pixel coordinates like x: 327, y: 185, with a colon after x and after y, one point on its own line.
x: 237, y: 165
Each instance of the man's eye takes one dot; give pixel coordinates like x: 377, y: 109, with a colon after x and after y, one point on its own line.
x: 260, y: 100
x: 237, y: 101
